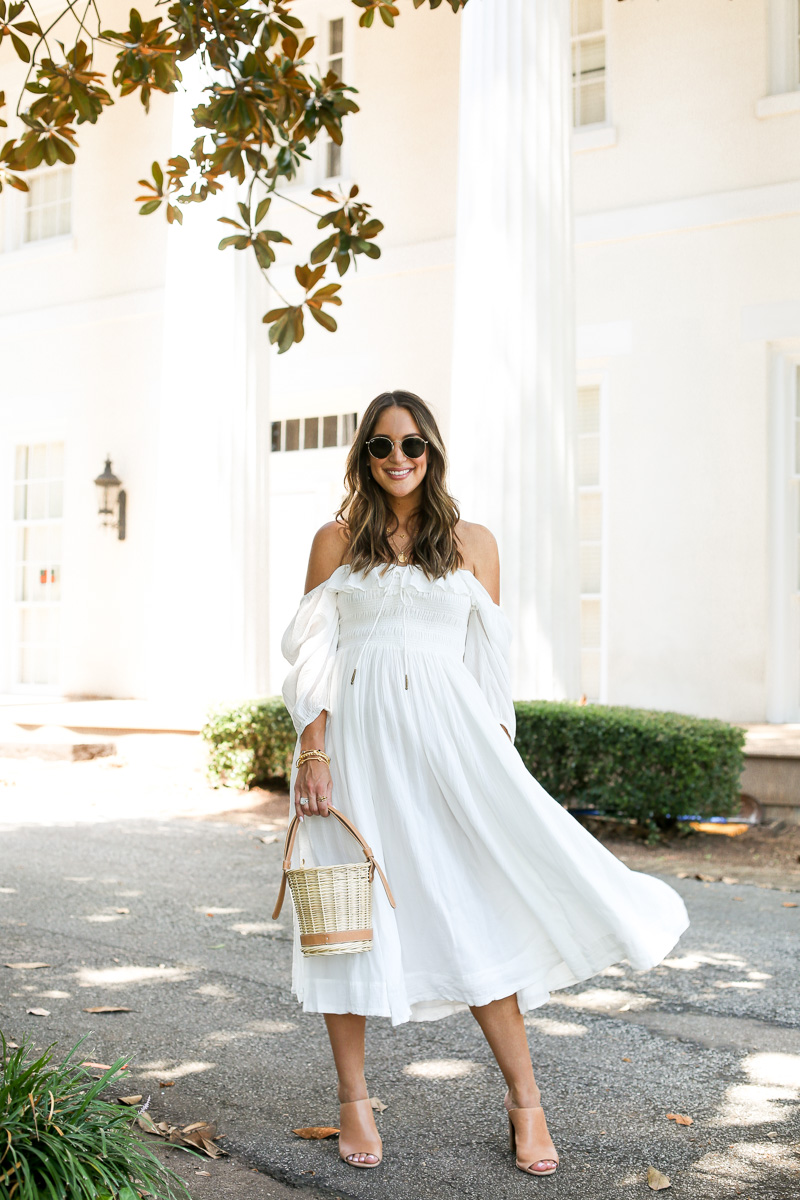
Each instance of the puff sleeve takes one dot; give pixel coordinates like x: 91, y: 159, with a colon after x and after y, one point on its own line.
x: 486, y: 656
x: 309, y: 644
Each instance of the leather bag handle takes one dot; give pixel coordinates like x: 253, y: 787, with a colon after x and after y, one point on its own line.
x: 291, y: 834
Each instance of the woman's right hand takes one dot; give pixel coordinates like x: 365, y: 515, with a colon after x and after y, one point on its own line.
x: 314, y: 784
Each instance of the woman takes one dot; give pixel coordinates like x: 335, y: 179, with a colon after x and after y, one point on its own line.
x: 400, y: 678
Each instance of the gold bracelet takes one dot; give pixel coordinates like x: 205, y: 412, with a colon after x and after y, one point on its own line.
x: 309, y: 754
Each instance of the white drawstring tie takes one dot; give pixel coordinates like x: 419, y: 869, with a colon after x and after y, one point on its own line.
x: 374, y: 624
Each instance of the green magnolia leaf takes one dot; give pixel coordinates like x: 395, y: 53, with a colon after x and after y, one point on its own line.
x: 238, y: 240
x: 263, y: 209
x: 21, y: 48
x: 321, y: 252
x: 158, y: 175
x: 64, y: 151
x: 308, y: 278
x: 324, y: 319
x: 149, y: 207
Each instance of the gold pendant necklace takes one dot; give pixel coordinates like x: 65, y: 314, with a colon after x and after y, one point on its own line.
x: 402, y: 557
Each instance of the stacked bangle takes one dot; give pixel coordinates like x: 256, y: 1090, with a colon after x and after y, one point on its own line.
x: 307, y: 754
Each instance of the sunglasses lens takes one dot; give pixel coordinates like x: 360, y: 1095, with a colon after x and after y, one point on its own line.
x: 413, y: 447
x: 380, y: 447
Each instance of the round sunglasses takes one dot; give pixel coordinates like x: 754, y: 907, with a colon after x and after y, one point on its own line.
x: 412, y: 447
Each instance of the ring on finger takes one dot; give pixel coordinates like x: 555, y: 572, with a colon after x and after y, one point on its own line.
x: 304, y: 801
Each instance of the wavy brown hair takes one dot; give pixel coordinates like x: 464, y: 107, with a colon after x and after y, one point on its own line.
x: 365, y: 510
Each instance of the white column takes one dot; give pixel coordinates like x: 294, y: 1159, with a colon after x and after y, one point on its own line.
x: 209, y: 616
x: 512, y: 431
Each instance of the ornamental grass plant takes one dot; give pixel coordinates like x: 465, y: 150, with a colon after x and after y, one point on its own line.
x: 60, y: 1141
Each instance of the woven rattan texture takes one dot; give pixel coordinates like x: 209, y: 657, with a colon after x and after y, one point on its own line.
x: 332, y: 900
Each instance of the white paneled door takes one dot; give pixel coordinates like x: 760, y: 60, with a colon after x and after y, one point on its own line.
x: 38, y: 519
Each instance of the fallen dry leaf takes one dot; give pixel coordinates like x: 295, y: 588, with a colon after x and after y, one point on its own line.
x: 317, y: 1132
x: 727, y: 879
x: 788, y: 904
x: 680, y: 1119
x: 102, y: 1066
x: 26, y: 966
x: 198, y: 1136
x: 166, y: 1083
x: 208, y: 1173
x: 627, y: 1060
x: 39, y: 1012
x: 656, y: 1180
x: 377, y: 1105
x: 269, y: 840
x: 122, y: 911
x: 129, y: 1100
x: 772, y: 1133
x: 706, y: 878
x: 106, y: 1008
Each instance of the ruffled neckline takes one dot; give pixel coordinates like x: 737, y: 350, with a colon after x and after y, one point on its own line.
x: 409, y: 576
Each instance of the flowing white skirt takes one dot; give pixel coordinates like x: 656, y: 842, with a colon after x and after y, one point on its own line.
x: 499, y: 890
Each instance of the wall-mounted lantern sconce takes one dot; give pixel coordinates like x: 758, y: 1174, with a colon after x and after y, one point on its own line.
x: 112, y: 494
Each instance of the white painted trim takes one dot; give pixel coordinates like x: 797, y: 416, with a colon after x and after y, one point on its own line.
x: 607, y: 339
x: 784, y: 63
x: 778, y: 105
x: 593, y: 137
x: 696, y: 212
x: 97, y: 311
x: 783, y: 632
x: 600, y: 379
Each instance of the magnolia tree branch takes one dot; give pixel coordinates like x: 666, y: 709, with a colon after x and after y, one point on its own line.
x: 261, y: 110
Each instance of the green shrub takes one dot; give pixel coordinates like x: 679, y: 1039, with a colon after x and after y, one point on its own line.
x: 250, y: 743
x: 61, y: 1142
x: 630, y: 762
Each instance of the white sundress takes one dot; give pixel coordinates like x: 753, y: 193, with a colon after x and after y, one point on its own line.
x: 499, y: 889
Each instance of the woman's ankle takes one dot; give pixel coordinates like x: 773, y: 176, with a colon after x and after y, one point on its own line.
x: 523, y: 1096
x: 352, y: 1090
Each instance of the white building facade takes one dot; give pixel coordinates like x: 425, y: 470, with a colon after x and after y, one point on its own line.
x: 664, y: 537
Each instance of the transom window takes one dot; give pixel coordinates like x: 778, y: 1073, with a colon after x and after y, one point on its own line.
x: 588, y: 63
x: 48, y: 204
x: 314, y: 433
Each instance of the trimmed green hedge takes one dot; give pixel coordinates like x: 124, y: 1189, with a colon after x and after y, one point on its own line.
x: 629, y: 762
x: 632, y: 762
x: 250, y: 744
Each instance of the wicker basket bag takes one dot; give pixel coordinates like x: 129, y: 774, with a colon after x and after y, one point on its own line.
x: 333, y: 904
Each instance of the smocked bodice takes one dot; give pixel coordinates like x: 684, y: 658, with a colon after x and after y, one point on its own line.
x: 428, y: 621
x: 342, y: 625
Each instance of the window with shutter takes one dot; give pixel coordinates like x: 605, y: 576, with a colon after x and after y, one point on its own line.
x: 38, y: 520
x: 588, y: 63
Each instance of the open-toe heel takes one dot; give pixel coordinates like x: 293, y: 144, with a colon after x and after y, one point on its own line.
x: 358, y: 1133
x: 530, y: 1142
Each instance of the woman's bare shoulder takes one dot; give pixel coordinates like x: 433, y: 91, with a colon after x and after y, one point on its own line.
x: 329, y: 550
x: 479, y: 548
